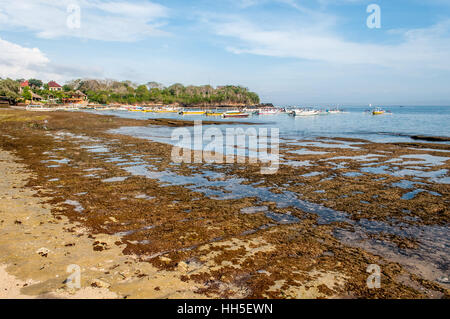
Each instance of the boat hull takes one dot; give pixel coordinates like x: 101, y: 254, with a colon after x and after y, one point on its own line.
x: 235, y: 115
x: 306, y: 113
x: 193, y: 113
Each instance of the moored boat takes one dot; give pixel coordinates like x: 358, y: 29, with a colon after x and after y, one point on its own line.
x: 193, y: 112
x: 378, y: 111
x: 302, y: 112
x: 334, y: 111
x: 166, y: 110
x: 271, y: 111
x: 235, y: 114
x: 39, y: 108
x: 215, y: 113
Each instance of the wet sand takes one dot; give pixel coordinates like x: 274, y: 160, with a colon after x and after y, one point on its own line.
x: 107, y: 202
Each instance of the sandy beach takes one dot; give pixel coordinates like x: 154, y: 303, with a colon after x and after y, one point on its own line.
x: 73, y: 192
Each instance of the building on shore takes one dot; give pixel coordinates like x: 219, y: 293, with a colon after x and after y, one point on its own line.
x: 53, y: 86
x: 23, y: 85
x: 76, y: 97
x: 35, y: 97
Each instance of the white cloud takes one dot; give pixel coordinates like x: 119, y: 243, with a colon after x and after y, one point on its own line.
x: 17, y: 61
x: 424, y: 48
x: 318, y: 61
x: 21, y: 62
x: 106, y: 21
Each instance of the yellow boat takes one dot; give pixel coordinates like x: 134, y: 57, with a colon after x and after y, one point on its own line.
x: 378, y: 111
x: 213, y: 114
x: 193, y: 112
x: 166, y: 111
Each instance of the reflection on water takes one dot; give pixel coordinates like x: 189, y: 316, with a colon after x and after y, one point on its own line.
x: 405, y: 121
x: 114, y: 179
x: 413, y: 194
x: 405, y: 184
x: 430, y: 259
x: 78, y: 208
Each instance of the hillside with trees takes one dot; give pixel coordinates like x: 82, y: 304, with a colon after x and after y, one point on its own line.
x: 126, y: 92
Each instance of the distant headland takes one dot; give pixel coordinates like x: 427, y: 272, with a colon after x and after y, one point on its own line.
x: 83, y: 91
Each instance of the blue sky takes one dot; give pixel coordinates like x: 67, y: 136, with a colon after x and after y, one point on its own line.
x: 291, y: 52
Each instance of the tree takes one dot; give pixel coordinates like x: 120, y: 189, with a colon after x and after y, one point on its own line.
x: 155, y: 85
x: 142, y: 93
x: 26, y: 94
x: 176, y: 89
x: 111, y: 91
x: 10, y: 89
x: 34, y: 83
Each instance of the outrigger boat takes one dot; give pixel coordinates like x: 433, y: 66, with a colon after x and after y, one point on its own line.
x: 193, y: 112
x: 378, y: 111
x: 214, y: 113
x: 302, y: 112
x: 334, y: 111
x: 235, y: 114
x: 39, y: 108
x: 271, y: 111
x: 167, y: 110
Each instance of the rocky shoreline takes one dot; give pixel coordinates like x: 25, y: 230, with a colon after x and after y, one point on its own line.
x: 136, y: 237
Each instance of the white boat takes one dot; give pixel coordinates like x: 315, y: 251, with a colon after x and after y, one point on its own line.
x: 305, y: 112
x: 39, y: 108
x: 167, y: 110
x: 334, y: 111
x: 235, y: 114
x: 271, y: 111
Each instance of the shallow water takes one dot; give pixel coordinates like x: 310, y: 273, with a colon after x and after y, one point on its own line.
x: 114, y: 179
x: 355, y: 123
x: 430, y: 259
x: 77, y: 206
x: 413, y: 194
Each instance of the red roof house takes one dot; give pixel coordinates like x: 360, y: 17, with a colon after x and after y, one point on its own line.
x: 24, y: 84
x: 53, y: 86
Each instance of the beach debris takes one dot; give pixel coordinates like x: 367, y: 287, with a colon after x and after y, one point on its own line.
x: 165, y: 259
x: 97, y: 283
x: 99, y: 246
x: 113, y: 220
x: 182, y: 266
x: 43, y: 251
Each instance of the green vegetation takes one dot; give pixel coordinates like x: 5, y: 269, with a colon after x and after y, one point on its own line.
x: 126, y: 92
x: 26, y: 93
x: 10, y: 89
x: 34, y: 83
x: 108, y: 91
